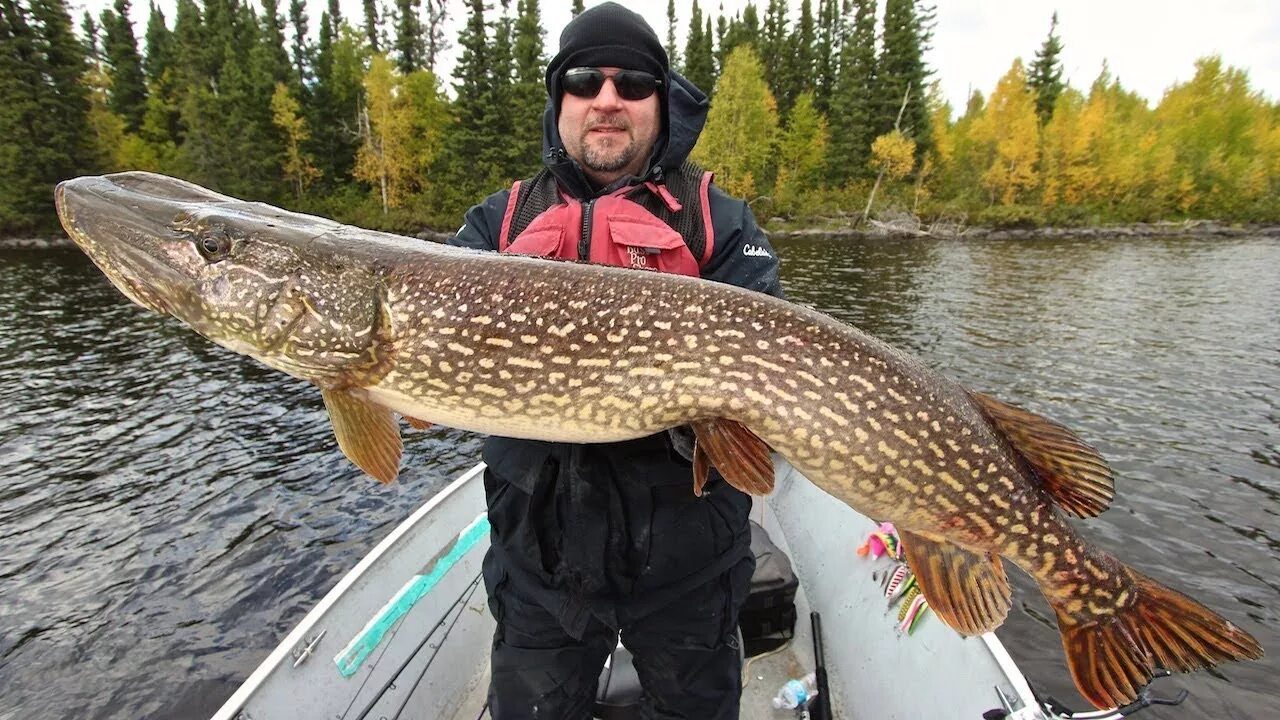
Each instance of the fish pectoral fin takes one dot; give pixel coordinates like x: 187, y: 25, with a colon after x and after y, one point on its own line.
x: 367, y: 433
x: 741, y: 457
x: 1070, y: 469
x: 968, y: 590
x: 417, y: 424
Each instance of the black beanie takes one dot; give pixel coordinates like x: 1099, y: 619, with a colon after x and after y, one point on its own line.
x: 607, y: 35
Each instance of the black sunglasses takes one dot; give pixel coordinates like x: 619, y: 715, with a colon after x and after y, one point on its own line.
x: 585, y: 82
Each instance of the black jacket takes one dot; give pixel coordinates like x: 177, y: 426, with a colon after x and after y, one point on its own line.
x: 582, y: 528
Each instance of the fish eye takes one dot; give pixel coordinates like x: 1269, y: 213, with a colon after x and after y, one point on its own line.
x: 214, y: 246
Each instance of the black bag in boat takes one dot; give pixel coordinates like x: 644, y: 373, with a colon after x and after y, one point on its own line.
x: 770, y: 610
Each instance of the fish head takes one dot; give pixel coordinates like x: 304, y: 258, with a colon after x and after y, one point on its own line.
x: 275, y: 285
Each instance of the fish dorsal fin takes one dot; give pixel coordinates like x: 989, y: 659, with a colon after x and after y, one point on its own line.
x: 968, y: 590
x: 1069, y: 468
x: 740, y: 456
x: 367, y: 433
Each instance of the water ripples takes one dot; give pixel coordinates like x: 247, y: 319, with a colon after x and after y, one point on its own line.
x: 169, y: 510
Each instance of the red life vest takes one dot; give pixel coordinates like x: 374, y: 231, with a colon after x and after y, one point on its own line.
x: 650, y: 226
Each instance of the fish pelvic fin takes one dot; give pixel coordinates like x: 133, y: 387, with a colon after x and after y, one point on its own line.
x: 741, y: 457
x: 968, y: 590
x: 1114, y: 654
x: 368, y: 434
x: 1072, y: 471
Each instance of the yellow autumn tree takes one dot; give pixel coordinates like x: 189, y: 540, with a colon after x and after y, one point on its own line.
x: 1010, y: 131
x: 401, y: 126
x: 802, y: 150
x: 296, y: 165
x: 737, y: 142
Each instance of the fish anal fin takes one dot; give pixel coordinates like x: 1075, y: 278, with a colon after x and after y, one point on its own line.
x: 740, y: 456
x: 968, y: 590
x: 1070, y: 469
x: 417, y: 424
x: 701, y: 469
x: 1113, y: 651
x: 367, y: 433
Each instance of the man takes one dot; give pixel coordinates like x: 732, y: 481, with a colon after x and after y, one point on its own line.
x: 590, y: 541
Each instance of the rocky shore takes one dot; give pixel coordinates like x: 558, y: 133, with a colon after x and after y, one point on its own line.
x: 882, y: 231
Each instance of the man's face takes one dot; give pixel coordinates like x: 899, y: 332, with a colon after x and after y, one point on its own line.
x: 609, y: 136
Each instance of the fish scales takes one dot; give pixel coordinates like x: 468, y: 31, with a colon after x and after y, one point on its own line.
x: 567, y: 352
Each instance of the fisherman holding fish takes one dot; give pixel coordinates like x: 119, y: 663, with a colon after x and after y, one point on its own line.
x: 590, y: 541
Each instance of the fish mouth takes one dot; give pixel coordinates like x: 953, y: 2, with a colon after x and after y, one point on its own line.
x: 113, y: 219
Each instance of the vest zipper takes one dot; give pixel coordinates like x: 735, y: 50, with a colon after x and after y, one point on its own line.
x: 584, y: 240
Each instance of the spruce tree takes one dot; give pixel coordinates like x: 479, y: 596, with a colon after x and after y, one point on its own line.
x: 1045, y: 77
x: 673, y: 54
x: 798, y: 61
x: 826, y: 59
x: 159, y: 39
x: 409, y: 47
x: 468, y: 170
x: 275, y: 61
x: 699, y: 62
x: 852, y: 100
x: 901, y: 72
x: 300, y: 49
x: 530, y: 92
x: 773, y: 44
x: 744, y: 29
x: 371, y: 28
x: 44, y: 132
x: 433, y: 32
x: 90, y: 30
x: 128, y: 96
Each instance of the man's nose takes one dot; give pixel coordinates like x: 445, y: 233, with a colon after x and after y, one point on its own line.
x: 608, y: 95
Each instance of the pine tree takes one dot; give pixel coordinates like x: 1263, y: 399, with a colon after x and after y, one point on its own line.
x: 852, y: 101
x: 744, y: 29
x: 502, y: 72
x: 120, y: 48
x: 90, y: 30
x: 1046, y: 73
x: 271, y: 38
x: 901, y: 71
x: 410, y: 51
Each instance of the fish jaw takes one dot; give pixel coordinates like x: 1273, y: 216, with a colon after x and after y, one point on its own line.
x: 255, y: 279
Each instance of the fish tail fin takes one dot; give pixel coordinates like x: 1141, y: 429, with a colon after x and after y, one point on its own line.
x: 1114, y: 653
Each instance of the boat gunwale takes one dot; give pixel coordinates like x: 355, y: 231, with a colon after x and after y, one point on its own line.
x: 298, y: 634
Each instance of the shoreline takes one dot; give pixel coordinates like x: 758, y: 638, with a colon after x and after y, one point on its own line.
x: 886, y: 231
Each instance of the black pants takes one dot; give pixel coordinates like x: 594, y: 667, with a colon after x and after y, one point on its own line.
x: 686, y: 655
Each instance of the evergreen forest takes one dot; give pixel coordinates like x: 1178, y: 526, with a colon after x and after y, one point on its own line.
x: 824, y: 113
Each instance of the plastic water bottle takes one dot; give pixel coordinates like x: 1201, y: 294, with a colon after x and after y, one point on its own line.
x: 796, y: 693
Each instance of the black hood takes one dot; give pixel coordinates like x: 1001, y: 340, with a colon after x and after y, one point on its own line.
x: 684, y: 112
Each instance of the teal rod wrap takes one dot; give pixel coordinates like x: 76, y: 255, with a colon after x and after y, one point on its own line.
x: 354, y: 654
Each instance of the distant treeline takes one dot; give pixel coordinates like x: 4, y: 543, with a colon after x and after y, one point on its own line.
x: 814, y: 116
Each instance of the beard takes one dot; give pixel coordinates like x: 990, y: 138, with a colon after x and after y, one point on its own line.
x: 609, y: 153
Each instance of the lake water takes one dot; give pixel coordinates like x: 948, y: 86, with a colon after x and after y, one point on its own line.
x: 168, y: 510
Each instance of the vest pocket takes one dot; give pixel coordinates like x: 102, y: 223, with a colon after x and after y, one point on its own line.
x: 650, y: 245
x: 540, y: 243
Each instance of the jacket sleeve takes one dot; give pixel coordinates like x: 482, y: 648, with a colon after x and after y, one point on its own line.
x: 483, y: 224
x: 741, y: 254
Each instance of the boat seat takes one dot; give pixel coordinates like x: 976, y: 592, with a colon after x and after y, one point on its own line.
x: 619, y: 691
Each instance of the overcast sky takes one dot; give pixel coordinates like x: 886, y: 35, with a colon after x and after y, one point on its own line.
x: 1148, y: 44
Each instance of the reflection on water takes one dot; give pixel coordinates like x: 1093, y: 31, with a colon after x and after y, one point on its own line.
x: 168, y: 510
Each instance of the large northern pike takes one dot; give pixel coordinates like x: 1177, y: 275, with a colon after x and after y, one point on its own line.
x: 561, y: 351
